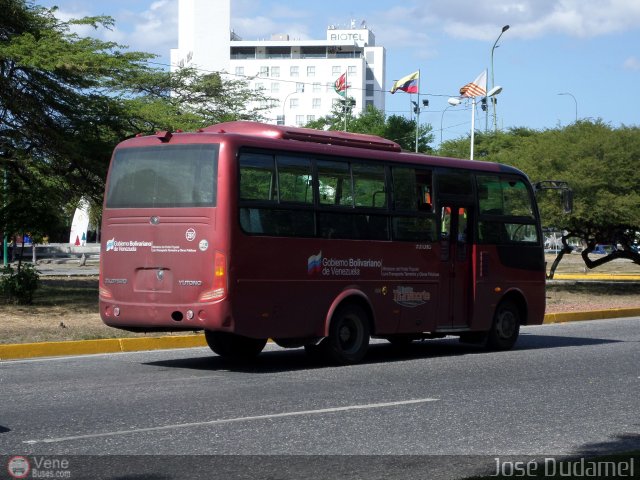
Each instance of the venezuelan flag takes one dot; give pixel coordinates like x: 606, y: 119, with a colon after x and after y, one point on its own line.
x: 407, y: 84
x: 314, y: 263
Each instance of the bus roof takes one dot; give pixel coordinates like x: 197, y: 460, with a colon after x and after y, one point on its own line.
x: 372, y: 147
x: 357, y: 140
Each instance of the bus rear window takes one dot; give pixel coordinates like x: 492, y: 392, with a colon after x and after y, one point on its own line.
x: 164, y: 177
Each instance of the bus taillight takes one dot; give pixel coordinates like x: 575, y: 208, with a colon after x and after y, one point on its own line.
x: 219, y: 289
x: 104, y: 293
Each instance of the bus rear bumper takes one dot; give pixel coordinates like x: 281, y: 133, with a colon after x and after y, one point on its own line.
x: 157, y: 318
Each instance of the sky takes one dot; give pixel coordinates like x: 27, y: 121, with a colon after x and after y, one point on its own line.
x: 556, y: 58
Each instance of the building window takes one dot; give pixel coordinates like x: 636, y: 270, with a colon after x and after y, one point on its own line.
x: 316, y: 103
x: 370, y: 58
x: 299, y: 87
x: 369, y: 90
x: 299, y: 120
x: 280, y: 120
x: 294, y: 71
x: 275, y: 72
x: 317, y: 87
x: 353, y: 70
x: 336, y: 70
x: 243, y: 53
x: 240, y: 71
x: 259, y: 86
x: 313, y: 52
x: 275, y: 87
x: 311, y: 71
x: 264, y: 71
x: 370, y: 75
x: 311, y: 118
x: 278, y: 52
x: 294, y: 103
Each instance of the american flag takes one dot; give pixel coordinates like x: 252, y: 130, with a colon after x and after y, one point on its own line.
x: 477, y: 88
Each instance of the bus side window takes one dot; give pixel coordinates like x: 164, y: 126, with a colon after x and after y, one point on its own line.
x: 413, y: 218
x: 334, y: 184
x: 258, y: 177
x: 250, y: 220
x: 423, y: 180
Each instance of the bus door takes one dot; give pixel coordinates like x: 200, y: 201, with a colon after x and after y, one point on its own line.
x: 455, y: 265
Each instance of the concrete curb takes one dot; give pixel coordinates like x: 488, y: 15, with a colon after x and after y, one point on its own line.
x: 597, y: 277
x: 116, y: 345
x: 595, y: 315
x: 107, y: 345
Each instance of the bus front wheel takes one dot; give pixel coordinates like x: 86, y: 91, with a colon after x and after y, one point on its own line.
x: 348, y: 338
x: 506, y: 327
x: 233, y: 346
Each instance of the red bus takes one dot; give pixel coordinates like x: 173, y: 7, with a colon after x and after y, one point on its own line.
x: 315, y: 239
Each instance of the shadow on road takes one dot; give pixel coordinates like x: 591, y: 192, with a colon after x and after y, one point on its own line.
x: 623, y: 442
x: 282, y: 360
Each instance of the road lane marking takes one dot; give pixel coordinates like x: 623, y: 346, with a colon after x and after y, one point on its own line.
x: 232, y: 420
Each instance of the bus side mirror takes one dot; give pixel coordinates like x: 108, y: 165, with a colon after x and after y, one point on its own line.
x: 567, y: 201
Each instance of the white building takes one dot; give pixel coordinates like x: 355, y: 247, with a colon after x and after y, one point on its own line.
x: 298, y: 74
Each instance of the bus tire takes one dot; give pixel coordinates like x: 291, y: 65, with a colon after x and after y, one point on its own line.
x: 505, y: 328
x: 348, y: 338
x: 234, y: 347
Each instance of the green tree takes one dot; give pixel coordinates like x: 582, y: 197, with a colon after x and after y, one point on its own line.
x: 600, y: 165
x: 373, y: 122
x: 67, y: 100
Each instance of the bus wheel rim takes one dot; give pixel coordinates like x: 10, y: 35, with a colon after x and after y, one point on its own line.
x: 349, y: 335
x: 506, y: 324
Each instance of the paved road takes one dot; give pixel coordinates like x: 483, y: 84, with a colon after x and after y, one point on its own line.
x: 566, y: 389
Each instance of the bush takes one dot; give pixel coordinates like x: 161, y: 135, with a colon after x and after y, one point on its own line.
x: 18, y: 286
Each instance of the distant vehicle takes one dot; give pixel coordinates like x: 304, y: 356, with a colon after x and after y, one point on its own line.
x: 317, y: 239
x: 602, y: 249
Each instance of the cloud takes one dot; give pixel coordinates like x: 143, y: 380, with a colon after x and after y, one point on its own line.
x: 534, y: 18
x: 632, y: 63
x: 281, y: 19
x: 260, y: 28
x: 155, y: 30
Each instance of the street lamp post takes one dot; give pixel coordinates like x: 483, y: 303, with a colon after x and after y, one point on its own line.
x: 284, y: 103
x: 453, y: 102
x: 574, y: 99
x: 456, y: 100
x: 493, y: 100
x: 417, y: 109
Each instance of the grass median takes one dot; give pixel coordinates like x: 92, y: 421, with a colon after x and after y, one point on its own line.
x: 66, y: 308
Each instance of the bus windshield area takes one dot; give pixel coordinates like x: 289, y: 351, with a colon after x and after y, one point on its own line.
x: 165, y: 176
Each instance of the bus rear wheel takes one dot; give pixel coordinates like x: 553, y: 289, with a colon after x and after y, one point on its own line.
x: 505, y: 328
x: 348, y: 338
x: 233, y: 346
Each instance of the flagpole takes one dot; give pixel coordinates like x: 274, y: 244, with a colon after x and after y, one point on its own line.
x: 473, y: 124
x: 418, y: 112
x: 346, y: 97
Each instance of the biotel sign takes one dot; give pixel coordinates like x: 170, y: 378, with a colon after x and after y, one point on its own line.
x: 362, y: 38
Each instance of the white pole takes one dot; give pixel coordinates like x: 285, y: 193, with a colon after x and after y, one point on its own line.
x: 346, y: 97
x: 473, y: 123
